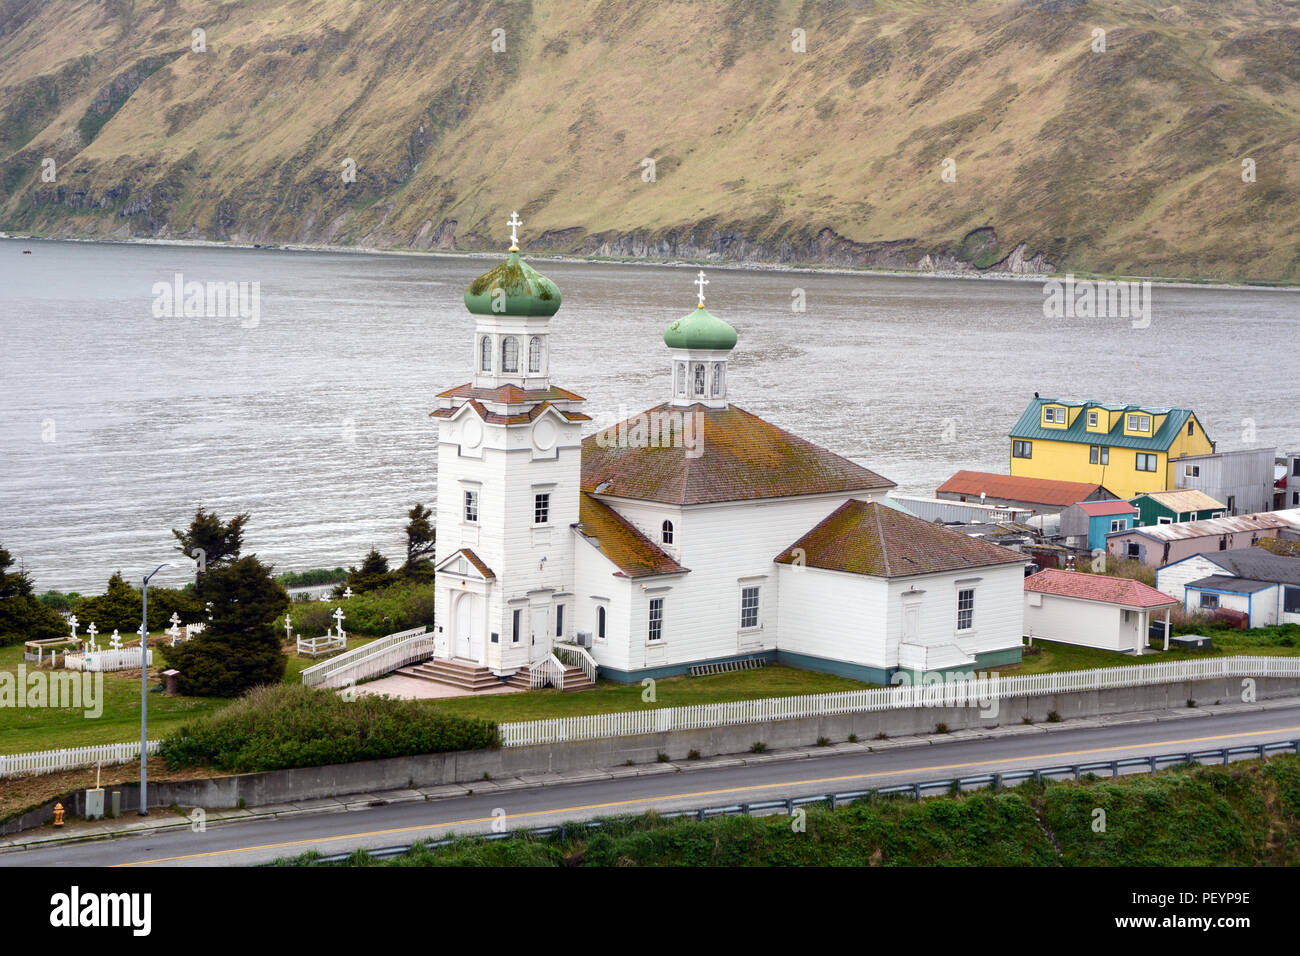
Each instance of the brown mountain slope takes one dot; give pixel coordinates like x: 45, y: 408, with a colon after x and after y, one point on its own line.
x: 1127, y: 160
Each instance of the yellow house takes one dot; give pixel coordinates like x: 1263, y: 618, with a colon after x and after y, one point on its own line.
x: 1130, y: 449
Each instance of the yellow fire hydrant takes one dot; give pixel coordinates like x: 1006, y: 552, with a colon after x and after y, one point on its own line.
x: 58, y: 814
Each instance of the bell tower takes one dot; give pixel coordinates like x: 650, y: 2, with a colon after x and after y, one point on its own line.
x: 700, y: 345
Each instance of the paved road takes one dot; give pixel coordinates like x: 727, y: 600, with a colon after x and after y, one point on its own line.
x: 257, y: 841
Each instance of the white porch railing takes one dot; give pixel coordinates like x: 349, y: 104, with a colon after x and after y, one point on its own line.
x: 548, y: 670
x: 576, y: 656
x: 949, y: 694
x: 406, y: 647
x: 72, y: 758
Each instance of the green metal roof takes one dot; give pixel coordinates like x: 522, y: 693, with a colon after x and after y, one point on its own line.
x: 700, y: 329
x: 1030, y: 425
x: 524, y: 290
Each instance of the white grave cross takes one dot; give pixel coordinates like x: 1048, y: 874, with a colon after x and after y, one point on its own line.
x: 115, y: 642
x: 347, y: 593
x: 175, y: 630
x: 92, y: 631
x: 338, y: 621
x: 288, y: 627
x: 73, y: 622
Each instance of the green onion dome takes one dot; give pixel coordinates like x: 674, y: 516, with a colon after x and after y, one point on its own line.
x: 700, y: 329
x: 526, y: 291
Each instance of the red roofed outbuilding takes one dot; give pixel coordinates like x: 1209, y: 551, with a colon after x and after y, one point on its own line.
x: 1093, y: 610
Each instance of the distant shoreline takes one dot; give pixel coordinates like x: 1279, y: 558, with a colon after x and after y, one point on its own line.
x: 732, y: 265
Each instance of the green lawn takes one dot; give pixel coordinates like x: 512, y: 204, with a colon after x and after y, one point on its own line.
x: 608, y: 697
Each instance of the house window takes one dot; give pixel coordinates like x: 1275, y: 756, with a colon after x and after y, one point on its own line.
x: 1133, y: 550
x: 1117, y: 524
x: 656, y: 631
x: 749, y: 607
x: 1163, y: 520
x: 1139, y: 423
x: 1232, y: 504
x: 1054, y: 415
x: 1099, y: 454
x: 1092, y: 419
x: 666, y: 532
x: 965, y: 609
x: 471, y: 506
x: 1295, y: 467
x: 535, y: 354
x: 1127, y: 616
x: 1209, y: 601
x: 485, y: 354
x: 1191, y: 471
x: 600, y: 622
x: 510, y: 355
x: 542, y: 508
x: 1191, y: 428
x: 1146, y: 462
x: 1291, y: 600
x: 1022, y: 449
x: 559, y: 620
x: 496, y: 638
x: 516, y: 624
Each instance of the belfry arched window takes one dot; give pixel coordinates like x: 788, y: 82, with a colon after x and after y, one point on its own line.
x: 535, y: 354
x: 699, y: 379
x: 716, y: 386
x: 681, y: 379
x: 510, y: 354
x: 667, y: 532
x: 485, y: 354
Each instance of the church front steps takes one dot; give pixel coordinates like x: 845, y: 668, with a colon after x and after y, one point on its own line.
x: 462, y: 674
x: 574, y: 679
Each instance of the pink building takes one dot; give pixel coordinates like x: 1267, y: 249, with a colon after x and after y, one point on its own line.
x: 1158, y: 545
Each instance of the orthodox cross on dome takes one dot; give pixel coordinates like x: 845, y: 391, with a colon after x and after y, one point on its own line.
x: 700, y: 283
x: 514, y: 222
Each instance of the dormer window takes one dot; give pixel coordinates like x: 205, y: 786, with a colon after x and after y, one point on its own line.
x: 1053, y: 415
x: 666, y: 532
x: 1139, y: 423
x: 510, y: 354
x: 1092, y: 419
x: 485, y: 354
x: 535, y: 354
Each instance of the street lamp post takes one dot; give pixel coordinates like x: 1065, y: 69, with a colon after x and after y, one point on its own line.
x: 144, y: 691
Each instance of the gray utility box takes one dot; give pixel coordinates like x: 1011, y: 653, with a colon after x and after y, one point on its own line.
x: 95, y: 804
x: 1191, y: 642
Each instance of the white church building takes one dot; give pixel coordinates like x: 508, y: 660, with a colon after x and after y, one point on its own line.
x: 694, y: 533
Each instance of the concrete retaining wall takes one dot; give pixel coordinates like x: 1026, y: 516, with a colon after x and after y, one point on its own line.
x: 429, y: 770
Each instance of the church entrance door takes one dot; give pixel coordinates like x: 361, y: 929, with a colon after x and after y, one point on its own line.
x: 462, y: 644
x: 541, y: 645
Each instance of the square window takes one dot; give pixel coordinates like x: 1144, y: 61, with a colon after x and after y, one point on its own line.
x: 542, y: 508
x: 1092, y: 419
x: 471, y: 506
x: 749, y: 607
x: 656, y: 631
x: 1099, y: 454
x: 1022, y: 449
x: 1210, y: 601
x: 965, y: 609
x: 1291, y: 600
x: 1117, y: 524
x: 1146, y: 462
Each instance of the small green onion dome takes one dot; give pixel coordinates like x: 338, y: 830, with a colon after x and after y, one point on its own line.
x: 526, y: 291
x: 700, y: 329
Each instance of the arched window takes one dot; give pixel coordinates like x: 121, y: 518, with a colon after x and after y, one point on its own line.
x: 485, y: 354
x: 668, y: 532
x: 510, y: 354
x: 681, y: 379
x: 600, y: 622
x: 716, y: 391
x: 699, y: 379
x: 535, y: 354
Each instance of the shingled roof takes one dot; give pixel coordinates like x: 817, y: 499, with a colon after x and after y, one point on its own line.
x: 870, y: 538
x: 1098, y: 587
x: 511, y: 394
x: 635, y: 555
x: 737, y: 456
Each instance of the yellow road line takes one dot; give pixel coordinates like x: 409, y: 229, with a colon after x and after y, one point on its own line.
x: 712, y: 793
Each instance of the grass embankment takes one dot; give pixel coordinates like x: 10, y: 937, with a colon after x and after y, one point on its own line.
x: 1244, y: 815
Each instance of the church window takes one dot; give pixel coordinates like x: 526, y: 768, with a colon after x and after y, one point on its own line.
x: 559, y: 620
x: 965, y: 609
x: 699, y: 379
x: 656, y: 619
x: 681, y: 378
x: 600, y: 622
x: 667, y: 532
x: 749, y: 607
x: 471, y: 506
x: 542, y: 508
x: 515, y: 624
x: 716, y: 390
x: 510, y: 354
x: 485, y: 354
x: 535, y: 354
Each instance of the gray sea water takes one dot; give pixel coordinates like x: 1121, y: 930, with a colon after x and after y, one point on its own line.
x: 115, y: 424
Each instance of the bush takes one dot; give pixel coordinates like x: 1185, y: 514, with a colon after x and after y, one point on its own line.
x: 758, y: 748
x: 941, y: 728
x: 1053, y: 717
x: 372, y: 614
x: 306, y: 579
x: 280, y: 726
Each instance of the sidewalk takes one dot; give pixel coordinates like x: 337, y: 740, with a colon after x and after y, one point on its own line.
x: 162, y: 818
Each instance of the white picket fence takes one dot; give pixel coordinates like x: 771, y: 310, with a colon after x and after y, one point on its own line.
x: 110, y: 660
x: 72, y: 758
x: 948, y: 694
x: 373, y: 660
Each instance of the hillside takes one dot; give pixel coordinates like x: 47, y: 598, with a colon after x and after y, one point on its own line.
x: 1123, y: 161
